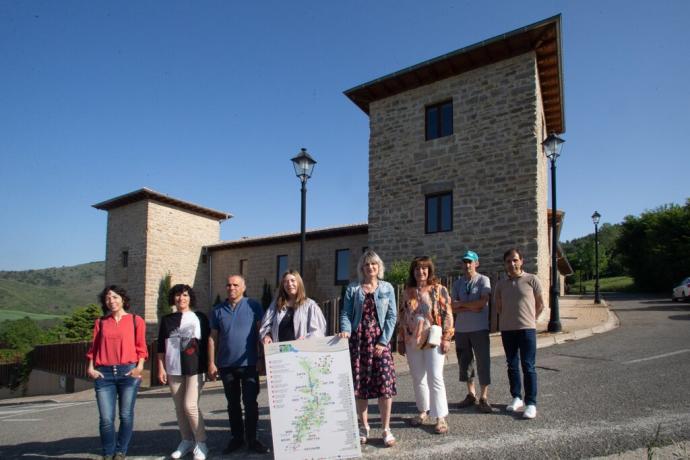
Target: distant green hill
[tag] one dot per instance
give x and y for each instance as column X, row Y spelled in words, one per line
column 51, row 291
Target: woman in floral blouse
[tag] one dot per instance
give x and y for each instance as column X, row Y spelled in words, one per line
column 426, row 304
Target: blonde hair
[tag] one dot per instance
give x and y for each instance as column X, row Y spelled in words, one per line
column 367, row 257
column 282, row 298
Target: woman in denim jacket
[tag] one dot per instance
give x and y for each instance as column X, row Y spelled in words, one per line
column 368, row 319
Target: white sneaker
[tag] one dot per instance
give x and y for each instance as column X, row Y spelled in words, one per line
column 530, row 411
column 200, row 451
column 515, row 405
column 183, row 449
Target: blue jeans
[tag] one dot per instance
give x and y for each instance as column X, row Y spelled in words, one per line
column 113, row 386
column 241, row 383
column 524, row 342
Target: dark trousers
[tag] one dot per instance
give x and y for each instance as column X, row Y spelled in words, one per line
column 241, row 382
column 520, row 347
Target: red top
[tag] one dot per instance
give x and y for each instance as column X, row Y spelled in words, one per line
column 115, row 343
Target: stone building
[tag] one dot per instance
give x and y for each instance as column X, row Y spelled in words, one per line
column 455, row 151
column 151, row 235
column 455, row 162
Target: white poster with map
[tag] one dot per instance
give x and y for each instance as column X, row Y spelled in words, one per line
column 311, row 399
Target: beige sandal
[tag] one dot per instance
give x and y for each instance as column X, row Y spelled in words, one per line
column 419, row 419
column 388, row 438
column 441, row 426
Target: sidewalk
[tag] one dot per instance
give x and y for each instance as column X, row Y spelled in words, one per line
column 580, row 318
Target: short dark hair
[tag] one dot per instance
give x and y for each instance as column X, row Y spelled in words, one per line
column 179, row 289
column 117, row 290
column 510, row 251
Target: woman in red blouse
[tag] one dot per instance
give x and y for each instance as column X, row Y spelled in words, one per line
column 116, row 361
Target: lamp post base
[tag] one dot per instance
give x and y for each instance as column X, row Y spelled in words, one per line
column 555, row 326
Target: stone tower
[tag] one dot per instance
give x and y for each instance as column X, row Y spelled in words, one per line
column 149, row 235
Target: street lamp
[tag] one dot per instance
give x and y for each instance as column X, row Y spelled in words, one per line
column 552, row 147
column 595, row 218
column 304, row 165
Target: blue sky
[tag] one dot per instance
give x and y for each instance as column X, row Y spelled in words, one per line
column 208, row 101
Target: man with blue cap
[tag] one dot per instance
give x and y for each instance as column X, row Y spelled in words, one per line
column 471, row 293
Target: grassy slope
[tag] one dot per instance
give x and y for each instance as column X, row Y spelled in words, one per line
column 613, row 284
column 52, row 291
column 15, row 314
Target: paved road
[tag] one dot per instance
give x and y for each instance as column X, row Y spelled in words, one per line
column 613, row 392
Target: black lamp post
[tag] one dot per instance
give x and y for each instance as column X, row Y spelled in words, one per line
column 595, row 218
column 304, row 165
column 552, row 147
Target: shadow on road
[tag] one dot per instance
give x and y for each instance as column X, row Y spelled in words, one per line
column 680, row 317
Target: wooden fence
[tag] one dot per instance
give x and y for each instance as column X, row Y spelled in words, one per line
column 61, row 358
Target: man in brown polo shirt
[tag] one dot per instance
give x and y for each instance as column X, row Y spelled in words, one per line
column 519, row 302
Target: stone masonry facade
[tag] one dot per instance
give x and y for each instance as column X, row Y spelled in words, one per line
column 159, row 238
column 507, row 95
column 262, row 258
column 493, row 164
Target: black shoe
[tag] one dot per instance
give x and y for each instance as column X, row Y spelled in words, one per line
column 233, row 445
column 470, row 400
column 484, row 406
column 257, row 447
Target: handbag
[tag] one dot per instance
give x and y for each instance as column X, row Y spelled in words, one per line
column 434, row 337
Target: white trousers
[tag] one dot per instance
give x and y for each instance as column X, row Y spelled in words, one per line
column 426, row 369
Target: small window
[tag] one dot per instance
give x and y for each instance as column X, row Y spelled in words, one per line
column 243, row 267
column 125, row 258
column 439, row 212
column 342, row 266
column 281, row 267
column 439, row 120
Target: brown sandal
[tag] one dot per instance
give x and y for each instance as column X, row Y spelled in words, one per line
column 441, row 426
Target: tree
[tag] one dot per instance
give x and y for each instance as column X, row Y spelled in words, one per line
column 266, row 295
column 163, row 292
column 20, row 335
column 656, row 246
column 581, row 254
column 78, row 327
column 397, row 272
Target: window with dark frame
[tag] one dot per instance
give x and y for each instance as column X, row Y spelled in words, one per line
column 243, row 267
column 125, row 258
column 439, row 212
column 342, row 266
column 281, row 267
column 439, row 120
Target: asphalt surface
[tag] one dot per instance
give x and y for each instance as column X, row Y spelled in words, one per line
column 616, row 392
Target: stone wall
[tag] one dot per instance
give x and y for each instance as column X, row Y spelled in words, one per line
column 127, row 232
column 493, row 163
column 543, row 233
column 176, row 238
column 159, row 239
column 319, row 264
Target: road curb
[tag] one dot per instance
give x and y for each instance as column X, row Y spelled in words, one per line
column 612, row 322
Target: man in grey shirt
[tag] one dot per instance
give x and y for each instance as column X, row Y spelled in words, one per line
column 471, row 293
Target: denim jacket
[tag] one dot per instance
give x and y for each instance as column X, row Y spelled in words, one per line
column 386, row 309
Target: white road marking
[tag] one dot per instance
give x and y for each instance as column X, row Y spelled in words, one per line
column 22, row 419
column 14, row 411
column 685, row 350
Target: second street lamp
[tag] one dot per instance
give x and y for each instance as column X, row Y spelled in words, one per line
column 304, row 165
column 595, row 218
column 552, row 147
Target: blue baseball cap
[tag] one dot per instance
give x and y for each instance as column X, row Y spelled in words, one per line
column 471, row 255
